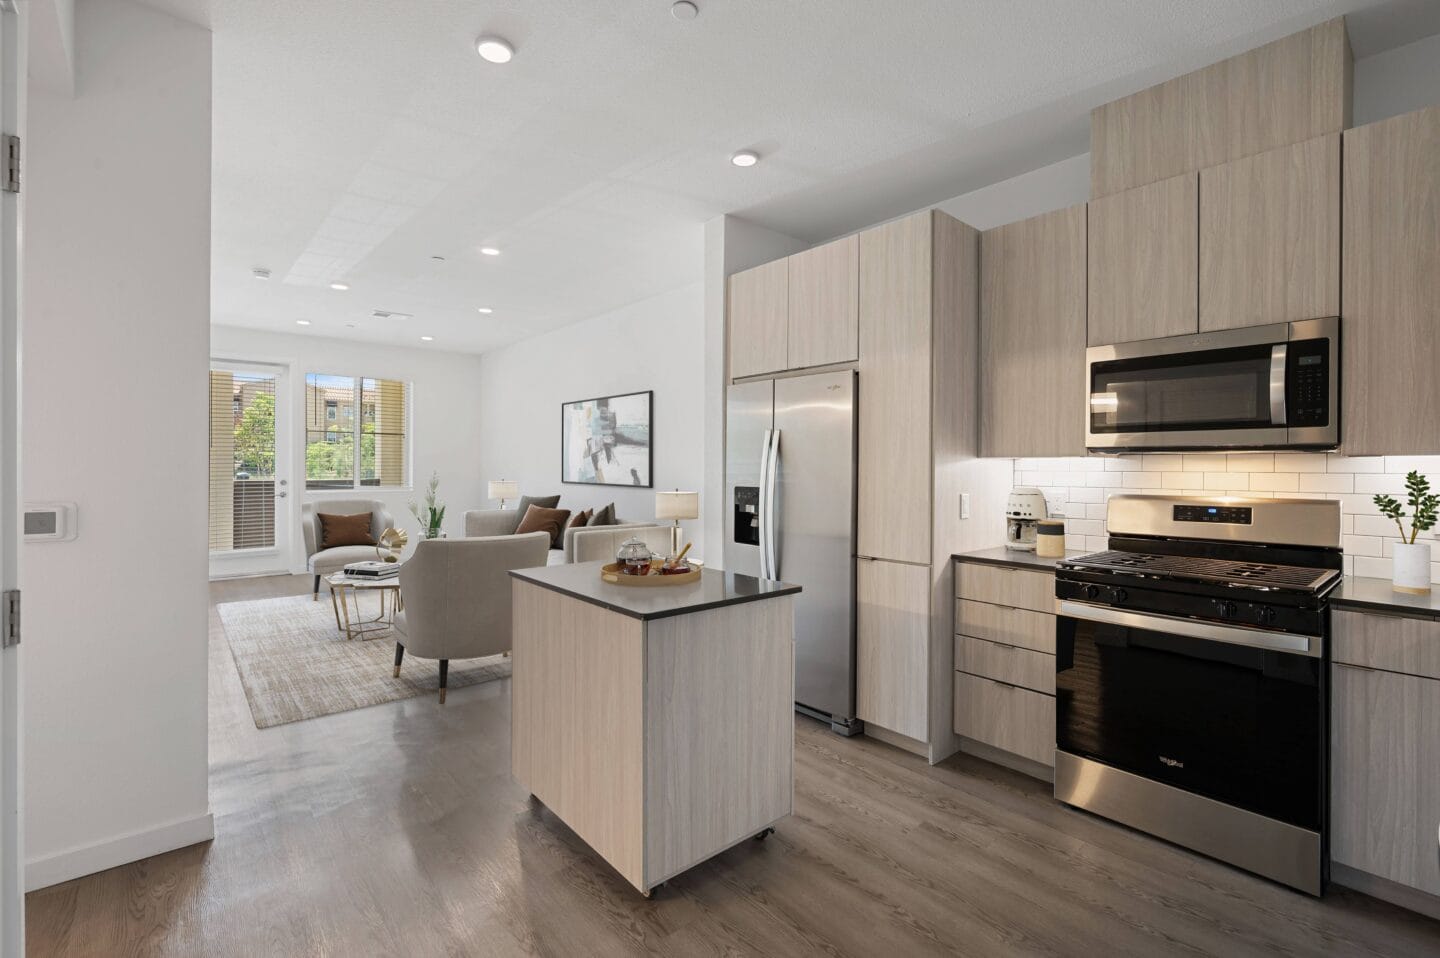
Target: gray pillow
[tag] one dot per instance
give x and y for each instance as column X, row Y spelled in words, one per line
column 544, row 502
column 604, row 517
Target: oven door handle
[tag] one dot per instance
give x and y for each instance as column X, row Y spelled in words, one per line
column 1277, row 384
column 1194, row 628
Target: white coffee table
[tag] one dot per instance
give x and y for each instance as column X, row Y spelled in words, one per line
column 345, row 598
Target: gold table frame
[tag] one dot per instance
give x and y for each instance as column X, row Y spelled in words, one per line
column 344, row 593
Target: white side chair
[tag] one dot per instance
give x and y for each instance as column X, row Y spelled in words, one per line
column 322, row 562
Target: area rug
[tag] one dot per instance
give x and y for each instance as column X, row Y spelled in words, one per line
column 296, row 665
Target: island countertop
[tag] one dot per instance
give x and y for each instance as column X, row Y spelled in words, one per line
column 716, row 589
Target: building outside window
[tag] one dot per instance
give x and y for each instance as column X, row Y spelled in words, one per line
column 333, row 433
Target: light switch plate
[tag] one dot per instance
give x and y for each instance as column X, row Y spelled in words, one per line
column 964, row 505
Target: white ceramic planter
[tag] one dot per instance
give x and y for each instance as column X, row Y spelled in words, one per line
column 1412, row 568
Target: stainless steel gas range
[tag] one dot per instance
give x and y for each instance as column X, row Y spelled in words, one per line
column 1191, row 677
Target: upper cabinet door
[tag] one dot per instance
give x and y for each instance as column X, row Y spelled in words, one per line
column 824, row 304
column 1143, row 251
column 1032, row 336
column 1270, row 237
column 894, row 470
column 758, row 302
column 1390, row 334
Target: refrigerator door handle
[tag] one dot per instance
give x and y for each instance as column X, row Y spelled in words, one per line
column 770, row 530
column 764, row 514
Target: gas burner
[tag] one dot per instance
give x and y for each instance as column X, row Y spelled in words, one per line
column 1229, row 571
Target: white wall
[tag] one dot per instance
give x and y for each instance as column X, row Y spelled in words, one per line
column 656, row 344
column 115, row 300
column 445, row 426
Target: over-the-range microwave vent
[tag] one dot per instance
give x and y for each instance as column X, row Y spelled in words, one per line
column 389, row 314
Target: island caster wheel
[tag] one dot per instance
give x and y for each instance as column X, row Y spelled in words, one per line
column 765, row 834
column 650, row 895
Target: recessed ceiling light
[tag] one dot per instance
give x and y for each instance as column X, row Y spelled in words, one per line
column 494, row 49
column 484, row 309
column 260, row 273
column 489, row 251
column 340, row 286
column 745, row 158
column 427, row 339
column 302, row 322
column 684, row 10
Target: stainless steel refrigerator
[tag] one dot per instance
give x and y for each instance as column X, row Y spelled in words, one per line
column 790, row 514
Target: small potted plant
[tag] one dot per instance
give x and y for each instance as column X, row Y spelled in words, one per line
column 1411, row 571
column 433, row 513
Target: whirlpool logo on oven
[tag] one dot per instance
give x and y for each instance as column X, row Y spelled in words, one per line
column 1172, row 762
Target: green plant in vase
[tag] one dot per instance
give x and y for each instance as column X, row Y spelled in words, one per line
column 433, row 513
column 1411, row 570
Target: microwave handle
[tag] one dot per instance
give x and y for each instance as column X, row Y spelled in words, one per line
column 1277, row 384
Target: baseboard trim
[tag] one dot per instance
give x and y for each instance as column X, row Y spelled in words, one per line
column 1386, row 890
column 897, row 740
column 1016, row 763
column 89, row 859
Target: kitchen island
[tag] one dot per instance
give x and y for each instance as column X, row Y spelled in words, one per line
column 656, row 722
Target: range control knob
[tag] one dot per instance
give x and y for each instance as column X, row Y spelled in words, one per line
column 1092, row 592
column 1119, row 596
column 1265, row 615
column 1225, row 608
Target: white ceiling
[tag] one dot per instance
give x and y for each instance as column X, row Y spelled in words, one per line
column 356, row 139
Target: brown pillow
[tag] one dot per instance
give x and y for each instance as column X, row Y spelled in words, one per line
column 604, row 517
column 540, row 519
column 336, row 531
column 580, row 519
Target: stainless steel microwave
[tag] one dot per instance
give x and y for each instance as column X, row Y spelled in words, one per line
column 1260, row 387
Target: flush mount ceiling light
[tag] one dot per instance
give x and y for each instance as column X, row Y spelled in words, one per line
column 489, row 251
column 260, row 272
column 302, row 322
column 495, row 49
column 427, row 339
column 745, row 158
column 484, row 309
column 684, row 10
column 342, row 287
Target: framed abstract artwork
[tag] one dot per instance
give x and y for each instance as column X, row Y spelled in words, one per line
column 606, row 442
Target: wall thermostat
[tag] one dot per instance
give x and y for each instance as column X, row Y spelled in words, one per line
column 50, row 521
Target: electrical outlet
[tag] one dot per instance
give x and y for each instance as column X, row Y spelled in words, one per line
column 964, row 505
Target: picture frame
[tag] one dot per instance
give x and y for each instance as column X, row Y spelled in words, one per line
column 607, row 441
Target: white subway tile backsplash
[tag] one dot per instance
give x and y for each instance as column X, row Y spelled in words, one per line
column 1144, row 480
column 1163, row 462
column 1394, row 485
column 1362, row 545
column 1227, row 482
column 1105, row 480
column 1428, row 466
column 1371, row 566
column 1251, row 462
column 1123, row 464
column 1182, row 480
column 1205, row 463
column 1087, row 494
column 1338, row 463
column 1323, row 482
column 1275, row 481
column 1300, row 462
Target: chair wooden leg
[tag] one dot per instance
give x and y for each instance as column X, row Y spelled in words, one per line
column 444, row 676
column 399, row 654
column 315, row 595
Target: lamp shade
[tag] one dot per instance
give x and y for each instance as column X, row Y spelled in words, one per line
column 677, row 505
column 504, row 489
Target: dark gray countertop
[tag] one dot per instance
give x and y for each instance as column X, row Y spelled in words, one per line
column 1014, row 558
column 1357, row 592
column 714, row 590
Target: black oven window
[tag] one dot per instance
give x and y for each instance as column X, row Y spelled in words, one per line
column 1217, row 389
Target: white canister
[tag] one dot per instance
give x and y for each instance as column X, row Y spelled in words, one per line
column 1050, row 539
column 1412, row 568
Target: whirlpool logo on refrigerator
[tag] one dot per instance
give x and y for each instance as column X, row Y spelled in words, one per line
column 1172, row 762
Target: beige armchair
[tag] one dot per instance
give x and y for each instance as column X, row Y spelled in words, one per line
column 321, row 562
column 456, row 597
column 589, row 541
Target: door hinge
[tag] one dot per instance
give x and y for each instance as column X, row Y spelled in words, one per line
column 11, row 631
column 12, row 164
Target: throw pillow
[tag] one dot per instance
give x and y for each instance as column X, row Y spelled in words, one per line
column 336, row 531
column 544, row 502
column 604, row 517
column 580, row 519
column 540, row 519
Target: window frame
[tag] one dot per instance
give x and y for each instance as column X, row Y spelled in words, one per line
column 357, row 484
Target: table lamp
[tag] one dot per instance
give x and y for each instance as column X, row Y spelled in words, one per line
column 503, row 489
column 677, row 505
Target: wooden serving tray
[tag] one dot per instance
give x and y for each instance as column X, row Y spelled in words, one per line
column 610, row 572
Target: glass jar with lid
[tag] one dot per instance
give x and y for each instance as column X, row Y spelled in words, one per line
column 633, row 557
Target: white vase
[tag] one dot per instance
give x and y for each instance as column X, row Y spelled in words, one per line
column 1412, row 568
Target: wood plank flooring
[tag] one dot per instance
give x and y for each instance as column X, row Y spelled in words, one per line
column 396, row 830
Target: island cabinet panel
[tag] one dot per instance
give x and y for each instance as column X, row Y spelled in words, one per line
column 892, row 627
column 894, row 447
column 1391, row 287
column 1288, row 91
column 1270, row 237
column 1385, row 775
column 758, row 303
column 1032, row 336
column 824, row 304
column 1143, row 252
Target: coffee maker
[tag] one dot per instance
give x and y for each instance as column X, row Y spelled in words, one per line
column 1024, row 509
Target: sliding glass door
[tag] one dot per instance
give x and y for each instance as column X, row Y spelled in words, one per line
column 250, row 514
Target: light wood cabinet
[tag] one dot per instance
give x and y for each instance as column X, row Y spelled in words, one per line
column 1385, row 775
column 758, row 302
column 894, row 443
column 892, row 635
column 1270, row 237
column 1288, row 91
column 824, row 304
column 1007, row 586
column 1032, row 336
column 1006, row 717
column 1391, row 286
column 1143, row 249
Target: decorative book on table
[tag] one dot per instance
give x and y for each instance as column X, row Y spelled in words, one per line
column 373, row 569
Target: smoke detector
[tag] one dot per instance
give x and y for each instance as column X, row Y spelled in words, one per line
column 684, row 10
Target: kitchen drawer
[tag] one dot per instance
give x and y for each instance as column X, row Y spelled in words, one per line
column 1388, row 642
column 1005, row 663
column 1003, row 585
column 1007, row 717
column 998, row 623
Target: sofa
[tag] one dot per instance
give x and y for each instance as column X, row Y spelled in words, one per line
column 585, row 544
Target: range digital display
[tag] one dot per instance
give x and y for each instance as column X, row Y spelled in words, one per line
column 1231, row 515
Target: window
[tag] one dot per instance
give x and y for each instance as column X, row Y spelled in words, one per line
column 333, row 432
column 242, row 459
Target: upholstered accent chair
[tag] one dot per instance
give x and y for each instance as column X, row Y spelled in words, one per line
column 322, row 562
column 456, row 597
column 590, row 541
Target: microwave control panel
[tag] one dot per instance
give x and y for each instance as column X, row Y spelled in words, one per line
column 1307, row 383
